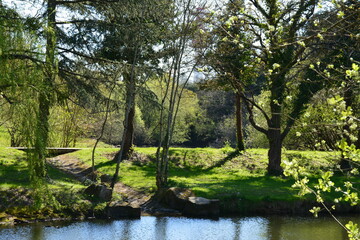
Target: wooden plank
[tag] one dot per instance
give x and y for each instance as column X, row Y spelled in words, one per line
column 52, row 151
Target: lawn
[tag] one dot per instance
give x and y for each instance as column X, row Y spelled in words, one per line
column 212, row 173
column 209, row 172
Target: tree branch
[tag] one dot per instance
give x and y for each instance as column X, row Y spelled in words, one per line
column 13, row 56
column 85, row 1
column 260, row 8
column 251, row 114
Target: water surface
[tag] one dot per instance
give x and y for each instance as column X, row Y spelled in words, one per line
column 169, row 228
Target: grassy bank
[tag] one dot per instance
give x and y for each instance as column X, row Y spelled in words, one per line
column 16, row 195
column 238, row 180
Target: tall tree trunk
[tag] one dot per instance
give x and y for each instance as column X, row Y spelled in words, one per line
column 127, row 140
column 274, row 153
column 37, row 163
column 274, row 132
column 129, row 134
column 239, row 134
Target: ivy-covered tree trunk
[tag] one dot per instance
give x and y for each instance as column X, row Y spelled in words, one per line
column 37, row 162
column 274, row 153
column 130, row 109
column 239, row 126
column 274, row 134
column 274, row 129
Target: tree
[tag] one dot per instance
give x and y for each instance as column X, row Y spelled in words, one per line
column 135, row 29
column 62, row 74
column 336, row 66
column 22, row 56
column 18, row 72
column 278, row 45
column 131, row 39
column 175, row 81
column 336, row 53
column 45, row 98
column 229, row 60
column 214, row 122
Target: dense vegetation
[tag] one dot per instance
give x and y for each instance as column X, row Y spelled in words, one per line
column 245, row 74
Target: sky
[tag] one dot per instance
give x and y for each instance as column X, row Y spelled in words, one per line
column 25, row 7
column 32, row 8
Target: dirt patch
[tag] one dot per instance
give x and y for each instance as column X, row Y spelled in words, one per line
column 136, row 158
column 83, row 173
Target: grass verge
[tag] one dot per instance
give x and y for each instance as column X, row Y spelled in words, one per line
column 239, row 180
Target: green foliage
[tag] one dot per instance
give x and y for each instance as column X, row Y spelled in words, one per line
column 186, row 115
column 4, row 137
column 19, row 77
column 227, row 148
column 340, row 191
column 215, row 121
column 318, row 127
column 353, row 230
column 66, row 125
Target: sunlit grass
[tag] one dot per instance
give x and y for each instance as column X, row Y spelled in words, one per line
column 242, row 175
column 89, row 143
column 211, row 173
column 14, row 172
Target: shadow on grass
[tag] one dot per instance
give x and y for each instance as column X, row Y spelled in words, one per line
column 149, row 169
column 98, row 166
column 229, row 157
column 11, row 174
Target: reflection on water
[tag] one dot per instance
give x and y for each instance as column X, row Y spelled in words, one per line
column 167, row 228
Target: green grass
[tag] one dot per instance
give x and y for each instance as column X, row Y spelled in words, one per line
column 13, row 168
column 14, row 172
column 210, row 172
column 16, row 195
column 89, row 143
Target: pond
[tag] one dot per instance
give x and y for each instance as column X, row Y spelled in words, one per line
column 171, row 228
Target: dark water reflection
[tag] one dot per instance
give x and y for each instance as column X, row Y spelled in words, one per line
column 148, row 228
